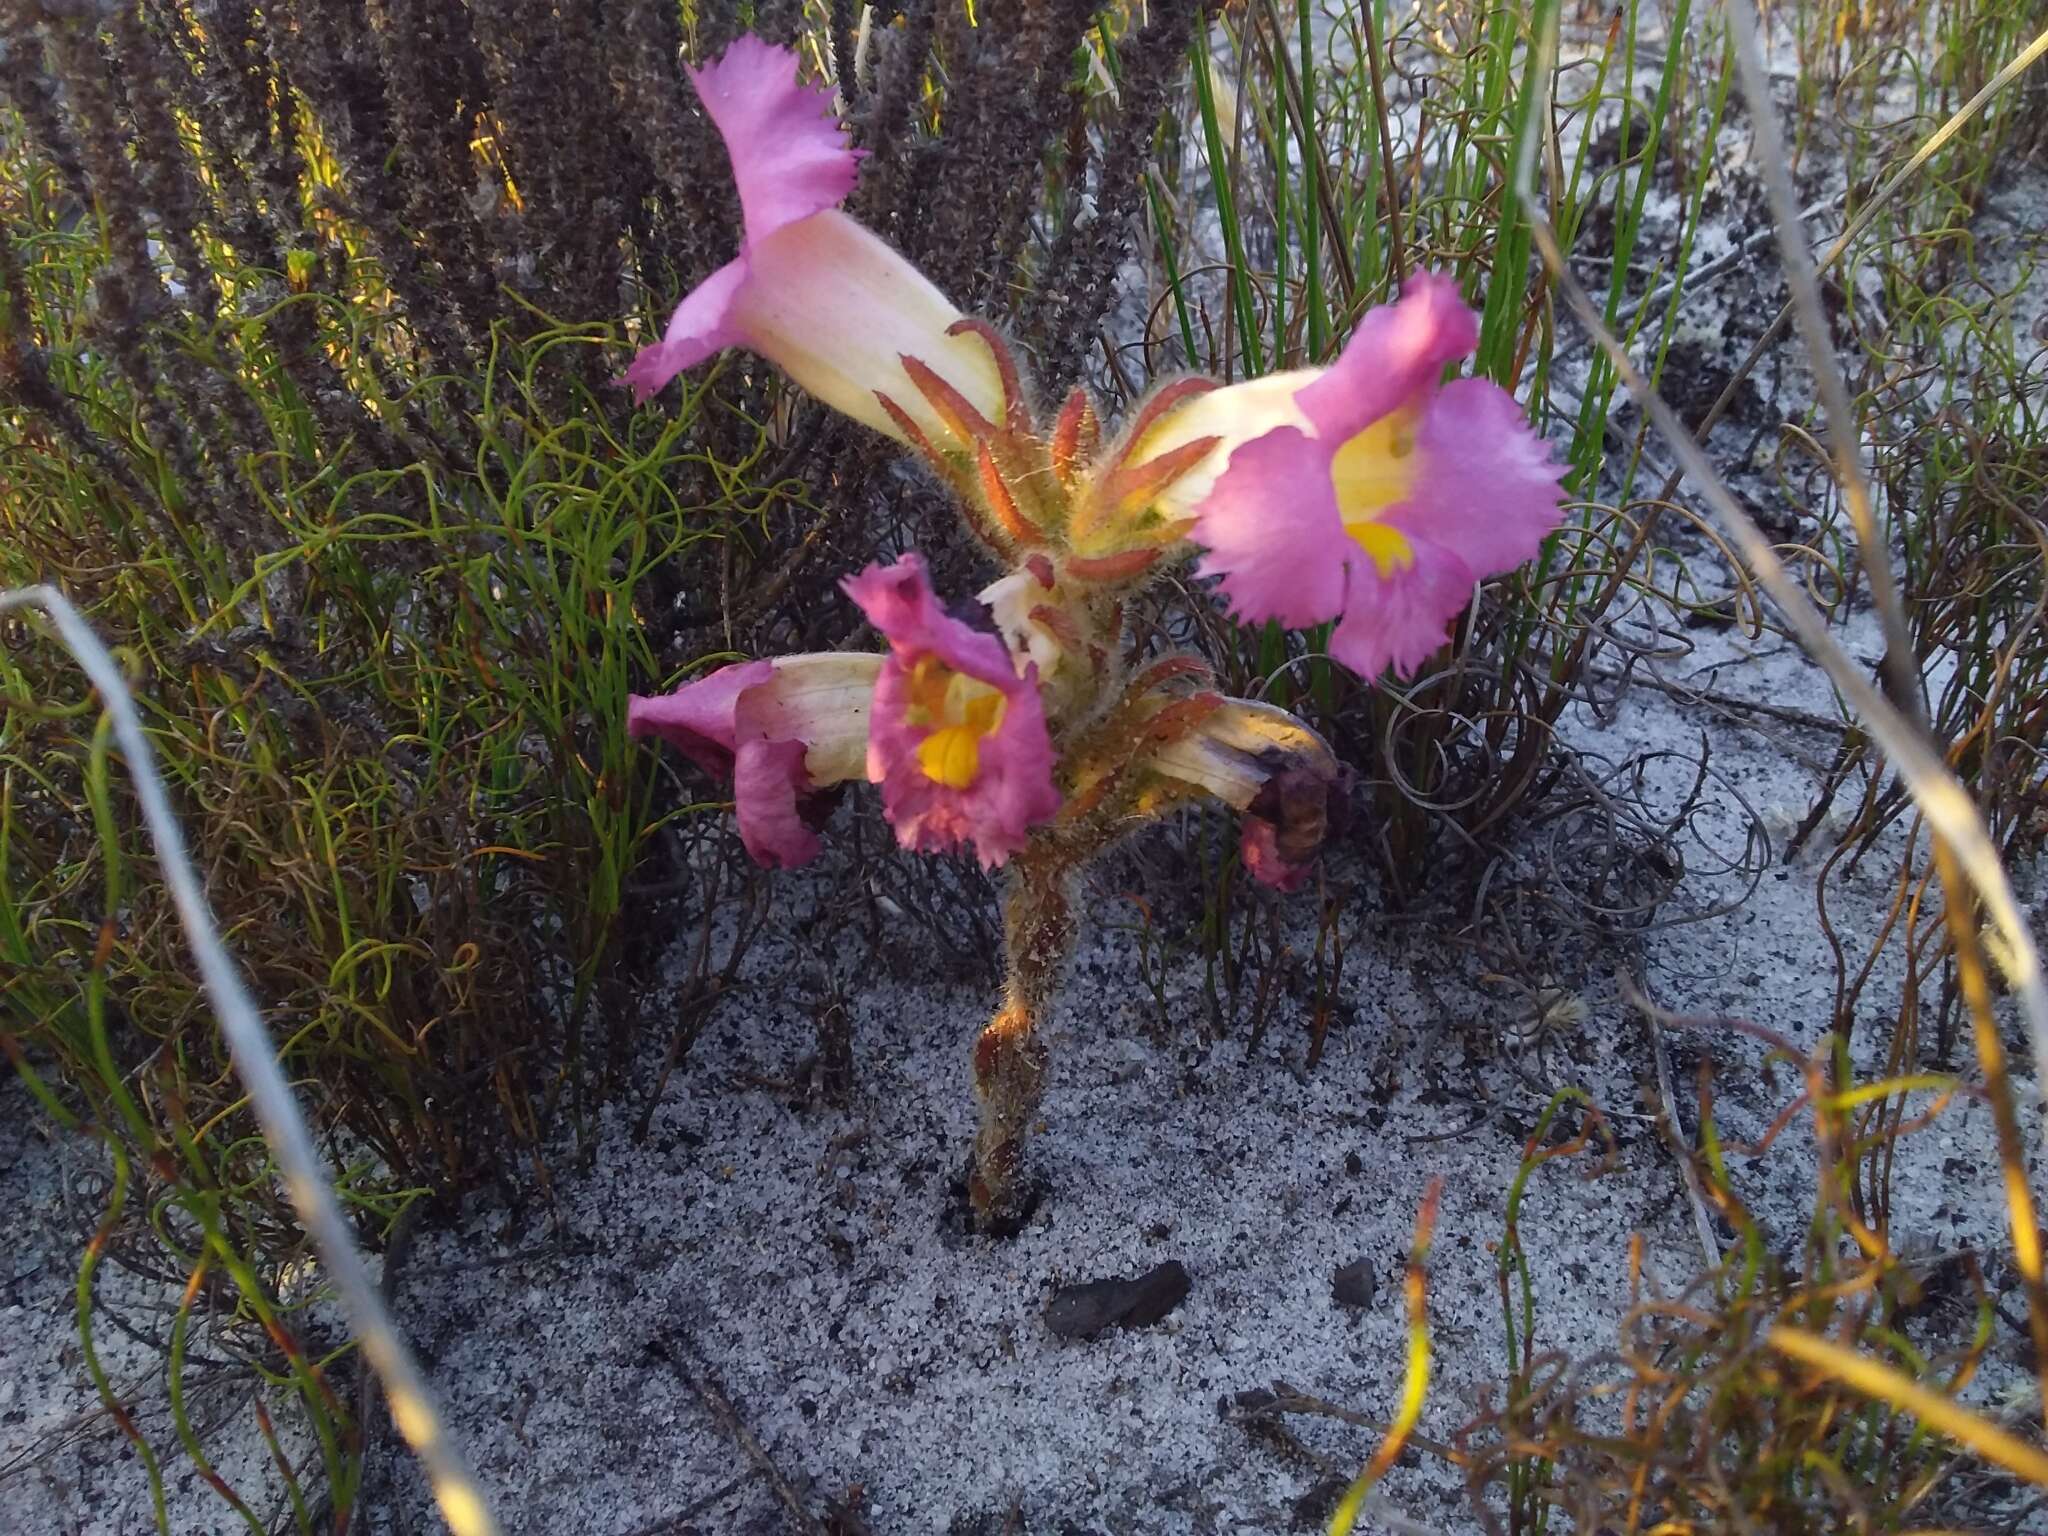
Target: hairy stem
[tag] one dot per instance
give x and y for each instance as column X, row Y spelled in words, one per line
column 1010, row 1055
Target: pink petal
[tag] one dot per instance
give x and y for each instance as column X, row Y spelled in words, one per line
column 1403, row 619
column 818, row 295
column 1016, row 790
column 1488, row 488
column 703, row 325
column 1013, row 790
column 837, row 309
column 821, row 700
column 767, row 778
column 1484, row 497
column 898, row 600
column 1398, row 351
column 789, row 154
column 1272, row 532
column 697, row 719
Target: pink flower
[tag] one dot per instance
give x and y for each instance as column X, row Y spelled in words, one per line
column 1368, row 491
column 781, row 730
column 958, row 739
column 812, row 290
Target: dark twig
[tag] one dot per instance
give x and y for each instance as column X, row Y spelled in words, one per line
column 689, row 1363
column 674, row 1522
column 1653, row 1026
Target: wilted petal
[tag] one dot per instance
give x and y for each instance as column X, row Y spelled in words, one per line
column 1273, row 768
column 1284, row 828
column 958, row 739
column 1238, row 747
column 789, row 154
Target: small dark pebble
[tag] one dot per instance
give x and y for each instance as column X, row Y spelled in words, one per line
column 1355, row 1284
column 1082, row 1311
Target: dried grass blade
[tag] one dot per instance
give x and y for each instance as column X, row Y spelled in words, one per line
column 1902, row 676
column 1416, row 1386
column 1876, row 1380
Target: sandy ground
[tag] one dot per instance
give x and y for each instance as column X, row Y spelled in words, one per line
column 766, row 1265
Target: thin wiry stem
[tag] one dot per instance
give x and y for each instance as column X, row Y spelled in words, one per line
column 307, row 1178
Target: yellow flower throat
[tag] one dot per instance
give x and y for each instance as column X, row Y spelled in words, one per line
column 1374, row 471
column 960, row 712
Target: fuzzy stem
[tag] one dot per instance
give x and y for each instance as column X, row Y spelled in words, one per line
column 1010, row 1055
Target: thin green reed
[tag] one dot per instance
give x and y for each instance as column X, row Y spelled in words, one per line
column 82, row 1307
column 111, row 1080
column 1508, row 287
column 1373, row 154
column 1312, row 187
column 1528, row 1477
column 1571, row 205
column 1576, row 548
column 181, row 1417
column 567, row 535
column 1307, row 114
column 1588, row 437
column 1586, row 450
column 1701, row 168
column 1170, row 259
column 1244, row 305
column 200, row 1197
column 1271, row 107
